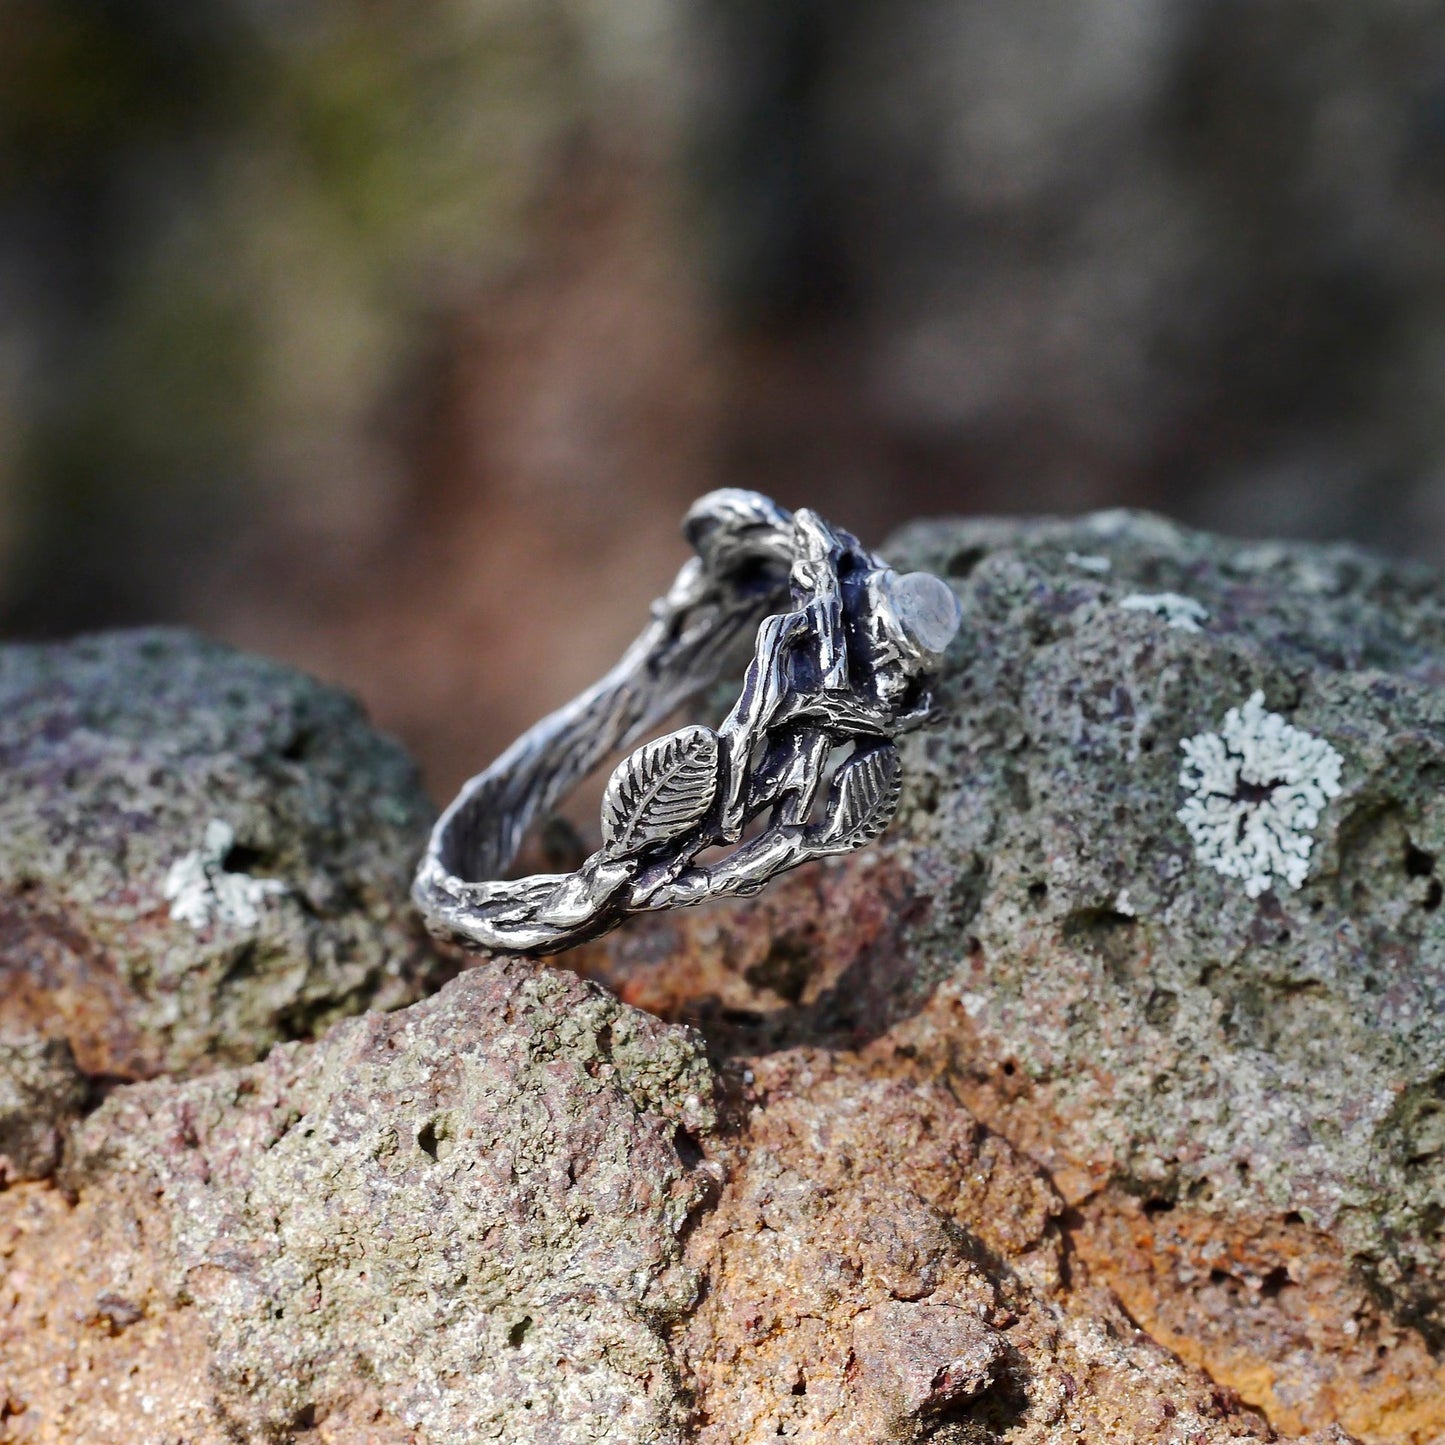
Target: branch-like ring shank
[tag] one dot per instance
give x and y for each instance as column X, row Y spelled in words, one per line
column 824, row 674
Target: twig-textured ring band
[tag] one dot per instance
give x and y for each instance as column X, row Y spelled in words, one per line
column 845, row 656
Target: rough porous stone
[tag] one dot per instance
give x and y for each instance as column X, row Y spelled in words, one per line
column 1237, row 1098
column 1285, row 1052
column 1025, row 1125
column 201, row 853
column 879, row 1268
column 509, row 1213
column 462, row 1219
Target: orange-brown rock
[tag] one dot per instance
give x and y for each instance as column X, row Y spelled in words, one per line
column 1270, row 1308
column 460, row 1221
column 879, row 1267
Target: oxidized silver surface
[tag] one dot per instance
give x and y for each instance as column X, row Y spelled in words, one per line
column 845, row 656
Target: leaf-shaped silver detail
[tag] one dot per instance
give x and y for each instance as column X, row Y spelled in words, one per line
column 862, row 801
column 660, row 791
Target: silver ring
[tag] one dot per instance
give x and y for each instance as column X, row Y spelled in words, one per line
column 845, row 656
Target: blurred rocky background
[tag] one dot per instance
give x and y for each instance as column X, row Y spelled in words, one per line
column 392, row 339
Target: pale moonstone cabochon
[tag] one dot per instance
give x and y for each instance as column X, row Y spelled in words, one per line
column 925, row 607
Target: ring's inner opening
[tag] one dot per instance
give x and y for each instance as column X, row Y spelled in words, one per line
column 565, row 760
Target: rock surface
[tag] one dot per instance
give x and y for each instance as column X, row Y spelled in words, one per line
column 1026, row 1124
column 881, row 1268
column 489, row 1217
column 462, row 1219
column 201, row 853
column 1236, row 1098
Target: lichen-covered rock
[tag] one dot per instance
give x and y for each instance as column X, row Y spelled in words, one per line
column 1284, row 1051
column 467, row 1215
column 1236, row 1089
column 201, row 853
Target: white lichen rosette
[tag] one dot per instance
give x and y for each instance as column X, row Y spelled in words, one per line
column 1256, row 790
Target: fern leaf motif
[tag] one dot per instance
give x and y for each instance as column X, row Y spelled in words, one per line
column 862, row 801
column 660, row 791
